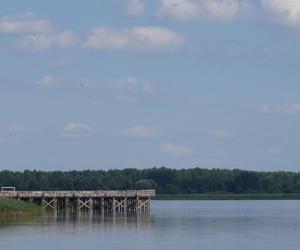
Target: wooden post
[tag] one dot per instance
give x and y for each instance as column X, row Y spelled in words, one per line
column 114, row 204
column 102, row 205
column 91, row 207
column 125, row 205
column 137, row 204
column 67, row 204
column 55, row 204
column 77, row 203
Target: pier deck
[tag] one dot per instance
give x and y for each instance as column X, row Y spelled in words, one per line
column 98, row 200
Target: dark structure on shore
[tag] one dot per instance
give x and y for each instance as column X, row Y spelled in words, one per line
column 94, row 201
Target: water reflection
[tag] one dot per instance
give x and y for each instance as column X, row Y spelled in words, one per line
column 91, row 222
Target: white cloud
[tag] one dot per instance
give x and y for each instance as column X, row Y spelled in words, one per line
column 175, row 150
column 222, row 10
column 136, row 8
column 148, row 87
column 286, row 12
column 16, row 130
column 222, row 134
column 128, row 89
column 40, row 36
column 139, row 131
column 76, row 129
column 292, row 108
column 264, row 108
column 45, row 41
column 276, row 151
column 131, row 85
column 12, row 133
column 37, row 34
column 104, row 39
column 135, row 163
column 77, row 126
column 285, row 108
column 24, row 23
column 46, row 81
column 126, row 99
column 135, row 39
column 131, row 89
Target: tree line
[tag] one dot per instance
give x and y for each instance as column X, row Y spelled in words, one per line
column 163, row 180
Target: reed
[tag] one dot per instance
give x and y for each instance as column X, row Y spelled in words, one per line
column 11, row 208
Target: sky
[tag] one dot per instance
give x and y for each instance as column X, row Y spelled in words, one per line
column 139, row 83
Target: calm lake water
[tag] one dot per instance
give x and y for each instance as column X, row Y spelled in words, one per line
column 170, row 225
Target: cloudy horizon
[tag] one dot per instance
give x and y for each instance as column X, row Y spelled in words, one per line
column 140, row 83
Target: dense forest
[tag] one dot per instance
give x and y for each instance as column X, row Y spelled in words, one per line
column 164, row 180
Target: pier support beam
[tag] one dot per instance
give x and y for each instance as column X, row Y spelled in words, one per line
column 143, row 205
column 48, row 203
column 83, row 203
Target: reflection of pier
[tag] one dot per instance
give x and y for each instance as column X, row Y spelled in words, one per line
column 90, row 222
column 106, row 201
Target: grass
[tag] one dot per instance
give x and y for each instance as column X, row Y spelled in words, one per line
column 15, row 208
column 228, row 197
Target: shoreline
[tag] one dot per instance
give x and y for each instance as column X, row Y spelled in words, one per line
column 227, row 197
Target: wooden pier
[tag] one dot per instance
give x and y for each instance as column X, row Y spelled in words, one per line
column 93, row 201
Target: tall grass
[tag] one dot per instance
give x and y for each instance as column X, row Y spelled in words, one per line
column 10, row 207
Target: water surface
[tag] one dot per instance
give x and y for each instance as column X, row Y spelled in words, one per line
column 170, row 225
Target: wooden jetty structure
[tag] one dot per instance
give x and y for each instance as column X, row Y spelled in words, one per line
column 120, row 201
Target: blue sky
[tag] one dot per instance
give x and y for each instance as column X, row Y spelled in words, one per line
column 132, row 83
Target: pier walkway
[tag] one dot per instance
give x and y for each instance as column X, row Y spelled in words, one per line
column 98, row 200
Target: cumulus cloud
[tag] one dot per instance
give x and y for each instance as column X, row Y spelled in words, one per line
column 77, row 126
column 75, row 129
column 292, row 108
column 136, row 39
column 36, row 33
column 45, row 41
column 264, row 108
column 128, row 89
column 131, row 89
column 16, row 130
column 126, row 99
column 139, row 131
column 175, row 150
column 136, row 163
column 221, row 10
column 286, row 12
column 276, row 151
column 39, row 35
column 131, row 84
column 24, row 23
column 12, row 133
column 136, row 8
column 285, row 108
column 46, row 81
column 222, row 134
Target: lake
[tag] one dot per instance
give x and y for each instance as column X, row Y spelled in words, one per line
column 170, row 225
